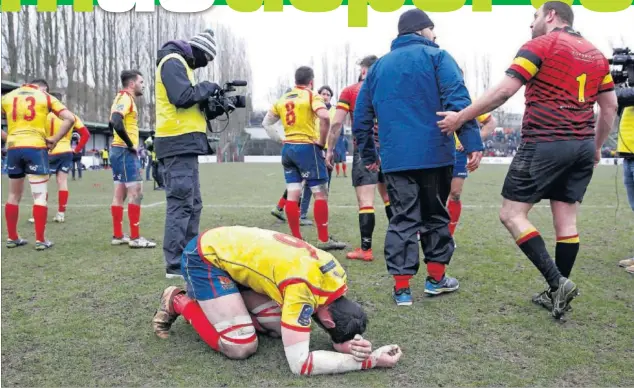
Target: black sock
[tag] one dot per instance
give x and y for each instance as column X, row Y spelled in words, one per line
column 566, row 253
column 388, row 211
column 534, row 247
column 366, row 226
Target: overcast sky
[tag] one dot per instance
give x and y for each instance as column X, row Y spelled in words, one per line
column 278, row 42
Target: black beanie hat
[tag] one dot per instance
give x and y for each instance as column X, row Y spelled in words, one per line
column 412, row 21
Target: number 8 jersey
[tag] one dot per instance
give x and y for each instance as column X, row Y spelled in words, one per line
column 27, row 109
column 298, row 109
column 296, row 275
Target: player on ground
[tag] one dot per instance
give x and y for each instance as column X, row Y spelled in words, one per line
column 241, row 279
column 565, row 75
column 60, row 159
column 302, row 153
column 126, row 168
column 364, row 181
column 454, row 205
column 26, row 109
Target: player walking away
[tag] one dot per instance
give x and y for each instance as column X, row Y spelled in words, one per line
column 487, row 124
column 60, row 159
column 364, row 181
column 559, row 146
column 404, row 89
column 302, row 153
column 26, row 109
column 241, row 280
column 126, row 169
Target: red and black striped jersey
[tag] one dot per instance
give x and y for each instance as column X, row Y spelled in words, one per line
column 564, row 74
column 347, row 101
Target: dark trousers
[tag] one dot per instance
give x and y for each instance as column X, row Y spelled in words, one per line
column 148, row 169
column 76, row 166
column 418, row 199
column 184, row 205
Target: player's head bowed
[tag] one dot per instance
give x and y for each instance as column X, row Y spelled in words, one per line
column 552, row 14
column 344, row 319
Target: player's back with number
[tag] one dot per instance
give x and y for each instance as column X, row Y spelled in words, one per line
column 267, row 261
column 26, row 110
column 565, row 74
column 297, row 111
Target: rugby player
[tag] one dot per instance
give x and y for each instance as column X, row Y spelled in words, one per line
column 363, row 180
column 126, row 169
column 60, row 159
column 302, row 153
column 565, row 75
column 241, row 280
column 26, row 109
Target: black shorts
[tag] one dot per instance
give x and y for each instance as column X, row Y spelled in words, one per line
column 361, row 176
column 558, row 170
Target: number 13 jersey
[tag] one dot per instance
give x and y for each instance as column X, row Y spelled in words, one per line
column 298, row 111
column 296, row 275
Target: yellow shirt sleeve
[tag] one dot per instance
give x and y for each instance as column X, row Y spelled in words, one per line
column 298, row 308
column 275, row 110
column 318, row 103
column 78, row 123
column 56, row 106
column 122, row 104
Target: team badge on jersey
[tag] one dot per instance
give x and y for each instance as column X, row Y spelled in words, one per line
column 119, row 107
column 327, row 267
column 305, row 314
column 226, row 283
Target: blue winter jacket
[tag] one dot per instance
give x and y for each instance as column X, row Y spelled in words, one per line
column 404, row 89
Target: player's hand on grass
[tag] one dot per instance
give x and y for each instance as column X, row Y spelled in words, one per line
column 387, row 356
column 359, row 348
column 473, row 161
column 451, row 122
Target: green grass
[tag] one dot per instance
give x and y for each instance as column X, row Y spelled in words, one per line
column 80, row 314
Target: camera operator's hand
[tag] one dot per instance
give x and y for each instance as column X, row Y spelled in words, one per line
column 211, row 89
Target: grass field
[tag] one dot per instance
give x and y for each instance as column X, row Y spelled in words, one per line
column 80, row 314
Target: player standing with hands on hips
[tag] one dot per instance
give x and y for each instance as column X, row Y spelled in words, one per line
column 560, row 144
column 404, row 89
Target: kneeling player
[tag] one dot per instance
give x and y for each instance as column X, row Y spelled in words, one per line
column 26, row 109
column 241, row 279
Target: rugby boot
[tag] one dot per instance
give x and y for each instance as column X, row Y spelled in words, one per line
column 165, row 316
column 545, row 300
column 562, row 296
column 16, row 243
column 59, row 217
column 626, row 263
column 332, row 244
column 402, row 296
column 630, row 269
column 445, row 285
column 279, row 214
column 43, row 245
column 141, row 242
column 123, row 240
column 360, row 254
column 305, row 222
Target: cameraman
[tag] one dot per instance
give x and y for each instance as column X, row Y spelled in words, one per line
column 625, row 149
column 180, row 137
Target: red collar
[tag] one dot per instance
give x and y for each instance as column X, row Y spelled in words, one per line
column 126, row 92
column 31, row 86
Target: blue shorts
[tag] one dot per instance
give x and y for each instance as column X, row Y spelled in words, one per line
column 460, row 165
column 60, row 163
column 125, row 165
column 27, row 161
column 204, row 281
column 340, row 157
column 304, row 162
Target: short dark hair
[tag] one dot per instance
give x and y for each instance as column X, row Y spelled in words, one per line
column 368, row 61
column 129, row 75
column 304, row 75
column 40, row 82
column 57, row 95
column 349, row 319
column 563, row 10
column 325, row 87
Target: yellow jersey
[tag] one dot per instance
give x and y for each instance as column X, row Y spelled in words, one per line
column 124, row 104
column 54, row 124
column 331, row 111
column 482, row 119
column 625, row 143
column 296, row 275
column 26, row 109
column 298, row 111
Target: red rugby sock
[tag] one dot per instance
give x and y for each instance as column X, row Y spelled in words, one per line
column 11, row 213
column 63, row 200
